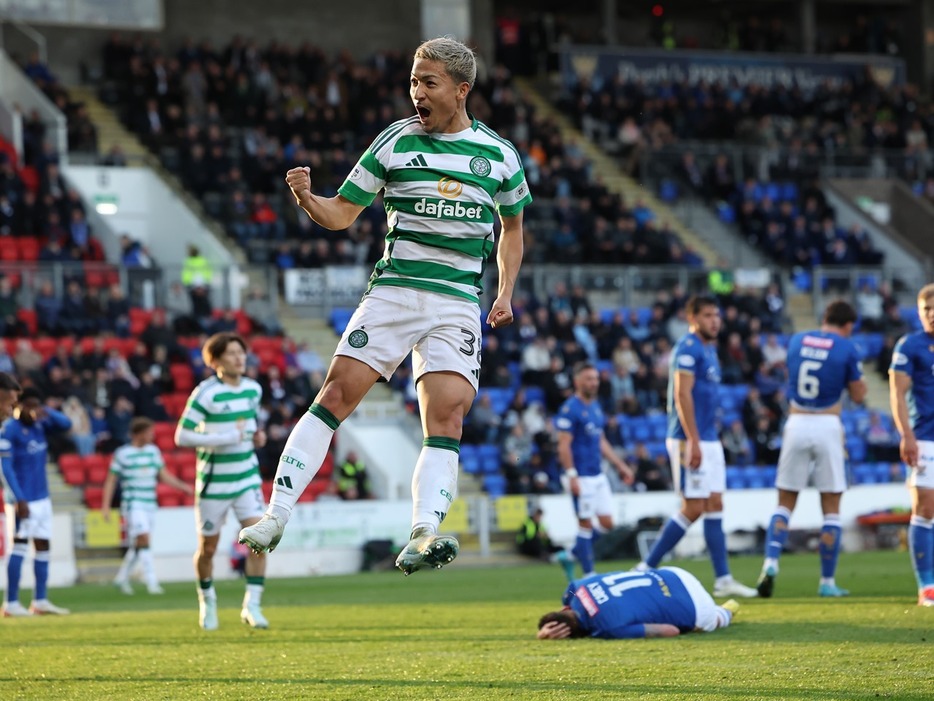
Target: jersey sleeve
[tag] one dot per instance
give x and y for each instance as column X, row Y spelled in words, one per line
column 565, row 419
column 854, row 366
column 368, row 177
column 195, row 412
column 901, row 358
column 513, row 195
column 6, row 459
column 688, row 358
column 633, row 630
column 116, row 464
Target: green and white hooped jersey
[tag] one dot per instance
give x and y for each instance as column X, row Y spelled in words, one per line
column 228, row 471
column 138, row 471
column 442, row 192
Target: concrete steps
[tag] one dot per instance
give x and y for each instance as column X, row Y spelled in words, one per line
column 110, row 131
column 615, row 179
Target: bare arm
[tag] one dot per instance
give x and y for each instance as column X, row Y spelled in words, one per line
column 857, row 390
column 168, row 478
column 334, row 213
column 566, row 460
column 684, row 405
column 508, row 260
column 110, row 486
column 899, row 384
column 661, row 630
column 606, row 450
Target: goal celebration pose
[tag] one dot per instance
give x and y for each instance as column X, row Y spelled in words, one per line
column 445, row 177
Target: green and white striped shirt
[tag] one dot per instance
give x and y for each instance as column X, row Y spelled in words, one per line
column 138, row 471
column 442, row 192
column 225, row 472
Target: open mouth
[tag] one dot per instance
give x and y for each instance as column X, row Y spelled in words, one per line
column 423, row 113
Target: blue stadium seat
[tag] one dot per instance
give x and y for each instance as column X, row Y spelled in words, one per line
column 340, row 317
column 789, row 192
column 882, row 472
column 773, row 192
column 856, row 448
column 534, row 394
column 668, row 190
column 735, row 478
column 756, row 477
column 470, row 459
column 641, row 430
column 489, row 458
column 802, row 280
column 771, row 471
column 726, row 213
column 656, row 448
column 494, row 485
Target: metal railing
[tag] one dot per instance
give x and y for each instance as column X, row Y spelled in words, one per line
column 144, row 287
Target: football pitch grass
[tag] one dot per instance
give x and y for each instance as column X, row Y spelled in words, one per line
column 468, row 633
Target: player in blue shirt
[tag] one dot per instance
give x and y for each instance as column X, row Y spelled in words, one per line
column 822, row 365
column 911, row 381
column 658, row 603
column 24, row 455
column 693, row 443
column 581, row 447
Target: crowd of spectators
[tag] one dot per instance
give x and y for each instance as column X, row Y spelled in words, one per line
column 532, row 361
column 804, row 125
column 231, row 121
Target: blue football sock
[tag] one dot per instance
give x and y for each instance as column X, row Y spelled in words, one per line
column 40, row 567
column 716, row 543
column 583, row 550
column 921, row 545
column 14, row 569
column 673, row 531
column 777, row 534
column 829, row 547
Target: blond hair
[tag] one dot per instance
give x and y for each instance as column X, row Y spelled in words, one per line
column 926, row 293
column 458, row 59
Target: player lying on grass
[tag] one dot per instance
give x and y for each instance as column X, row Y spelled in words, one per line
column 658, row 603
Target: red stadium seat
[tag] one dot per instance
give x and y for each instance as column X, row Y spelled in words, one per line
column 29, row 248
column 187, row 466
column 182, row 376
column 164, row 428
column 96, row 467
column 175, row 404
column 168, row 496
column 8, row 250
column 72, row 469
column 93, row 497
column 327, row 467
column 28, row 317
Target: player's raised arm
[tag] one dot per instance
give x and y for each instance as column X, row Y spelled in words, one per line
column 334, row 213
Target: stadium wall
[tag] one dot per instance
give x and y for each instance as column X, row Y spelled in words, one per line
column 327, row 537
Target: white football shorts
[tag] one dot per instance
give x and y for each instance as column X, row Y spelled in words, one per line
column 922, row 475
column 138, row 521
column 595, row 498
column 39, row 524
column 812, row 450
column 441, row 331
column 706, row 608
column 211, row 513
column 709, row 478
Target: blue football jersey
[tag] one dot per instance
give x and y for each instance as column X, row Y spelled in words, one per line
column 618, row 605
column 821, row 365
column 692, row 355
column 585, row 423
column 914, row 356
column 24, row 453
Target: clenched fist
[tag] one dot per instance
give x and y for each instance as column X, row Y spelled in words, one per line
column 299, row 180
